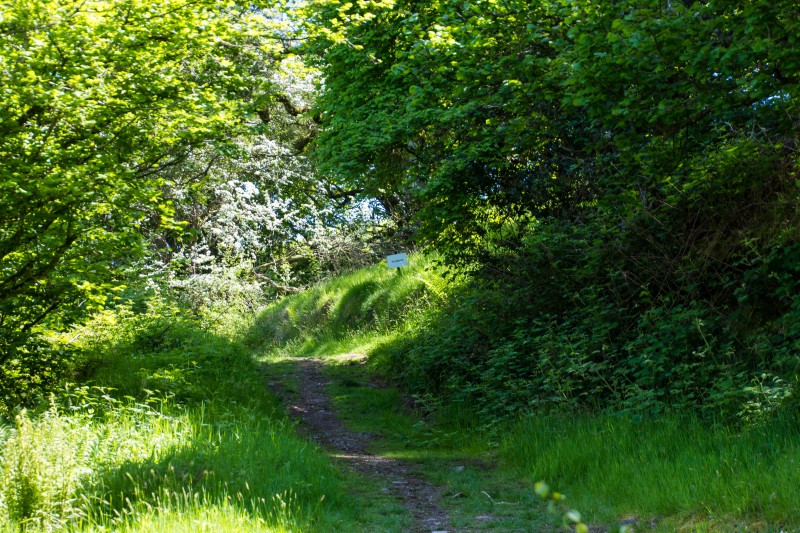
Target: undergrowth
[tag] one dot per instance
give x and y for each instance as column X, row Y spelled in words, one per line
column 357, row 311
column 559, row 329
column 664, row 470
column 173, row 430
column 173, row 427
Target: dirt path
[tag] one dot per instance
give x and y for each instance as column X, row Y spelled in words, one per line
column 312, row 406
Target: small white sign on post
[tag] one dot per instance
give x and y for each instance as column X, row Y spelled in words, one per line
column 397, row 260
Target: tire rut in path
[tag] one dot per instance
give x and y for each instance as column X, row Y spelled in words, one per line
column 312, row 406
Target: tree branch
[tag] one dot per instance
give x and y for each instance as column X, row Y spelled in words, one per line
column 282, row 288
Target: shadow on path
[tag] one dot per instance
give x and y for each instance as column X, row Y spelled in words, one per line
column 311, row 405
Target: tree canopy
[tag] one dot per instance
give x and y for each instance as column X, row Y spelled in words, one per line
column 99, row 98
column 609, row 170
column 623, row 175
column 531, row 105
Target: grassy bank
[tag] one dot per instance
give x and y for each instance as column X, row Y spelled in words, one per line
column 369, row 310
column 670, row 471
column 679, row 470
column 174, row 431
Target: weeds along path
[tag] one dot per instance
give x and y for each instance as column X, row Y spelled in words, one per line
column 313, row 407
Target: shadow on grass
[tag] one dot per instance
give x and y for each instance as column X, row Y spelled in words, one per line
column 220, row 439
column 315, row 314
column 260, row 472
column 356, row 305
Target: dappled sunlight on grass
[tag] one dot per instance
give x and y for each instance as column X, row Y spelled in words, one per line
column 177, row 431
column 146, row 466
column 182, row 434
column 673, row 465
column 353, row 313
column 612, row 468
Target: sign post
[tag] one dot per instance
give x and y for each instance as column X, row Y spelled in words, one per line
column 397, row 261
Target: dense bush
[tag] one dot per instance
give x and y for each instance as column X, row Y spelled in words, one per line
column 619, row 178
column 568, row 320
column 30, row 371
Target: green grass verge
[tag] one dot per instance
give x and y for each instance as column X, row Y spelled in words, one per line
column 176, row 431
column 359, row 311
column 180, row 433
column 677, row 470
column 447, row 447
column 670, row 473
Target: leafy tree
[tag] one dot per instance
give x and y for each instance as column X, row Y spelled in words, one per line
column 541, row 107
column 98, row 98
column 261, row 201
column 454, row 101
column 614, row 171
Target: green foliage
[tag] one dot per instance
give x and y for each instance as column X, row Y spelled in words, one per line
column 620, row 179
column 174, row 426
column 31, row 372
column 335, row 316
column 97, row 98
column 629, row 470
column 442, row 107
column 78, row 468
column 504, row 349
column 583, row 335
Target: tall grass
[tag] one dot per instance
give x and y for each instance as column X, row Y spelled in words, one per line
column 136, row 463
column 677, row 469
column 614, row 467
column 359, row 311
column 177, row 433
column 176, row 430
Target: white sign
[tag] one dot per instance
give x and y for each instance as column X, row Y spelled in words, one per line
column 397, row 260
